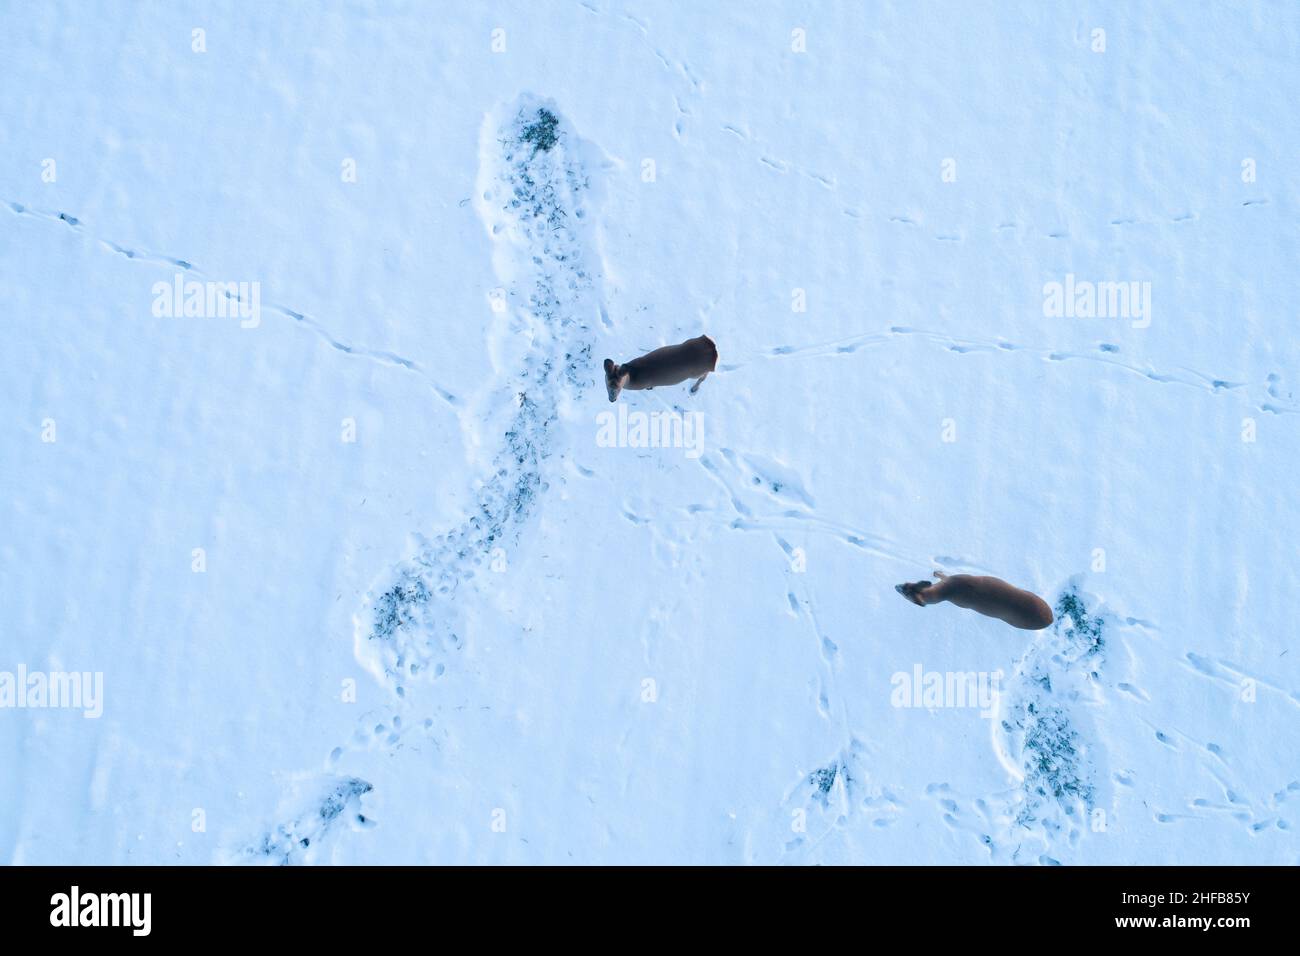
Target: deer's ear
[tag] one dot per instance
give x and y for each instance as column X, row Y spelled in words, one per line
column 609, row 366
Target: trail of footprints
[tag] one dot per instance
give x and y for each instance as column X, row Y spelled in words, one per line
column 1258, row 812
column 332, row 805
column 745, row 478
column 1277, row 403
column 1232, row 676
column 193, row 272
column 764, row 156
column 679, row 68
column 840, row 792
column 905, row 220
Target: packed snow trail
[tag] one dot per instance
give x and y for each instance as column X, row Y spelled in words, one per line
column 532, row 195
column 1043, row 736
column 535, row 197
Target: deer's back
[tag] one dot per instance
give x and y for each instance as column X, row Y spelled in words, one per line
column 673, row 363
column 994, row 597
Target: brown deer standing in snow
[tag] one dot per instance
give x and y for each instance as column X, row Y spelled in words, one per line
column 694, row 358
column 991, row 597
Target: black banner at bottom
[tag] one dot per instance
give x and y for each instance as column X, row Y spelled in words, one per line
column 336, row 905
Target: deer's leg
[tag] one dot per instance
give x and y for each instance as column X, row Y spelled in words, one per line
column 698, row 382
column 960, row 589
column 940, row 591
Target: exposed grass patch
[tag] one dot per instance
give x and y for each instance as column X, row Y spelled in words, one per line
column 541, row 132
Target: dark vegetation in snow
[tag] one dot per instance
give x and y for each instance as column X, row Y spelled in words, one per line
column 288, row 842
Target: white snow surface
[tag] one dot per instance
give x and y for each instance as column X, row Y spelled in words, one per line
column 435, row 620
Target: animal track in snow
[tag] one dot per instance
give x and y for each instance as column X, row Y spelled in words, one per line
column 1233, row 676
column 678, row 68
column 854, row 343
column 1277, row 405
column 827, row 799
column 962, row 346
column 337, row 803
column 1257, row 813
column 380, row 356
column 764, row 156
column 765, row 474
column 986, row 821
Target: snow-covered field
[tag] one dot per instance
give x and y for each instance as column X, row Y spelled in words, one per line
column 351, row 571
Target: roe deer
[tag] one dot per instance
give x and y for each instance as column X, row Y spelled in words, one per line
column 991, row 597
column 694, row 358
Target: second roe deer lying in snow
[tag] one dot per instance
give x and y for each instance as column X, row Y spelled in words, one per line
column 695, row 358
